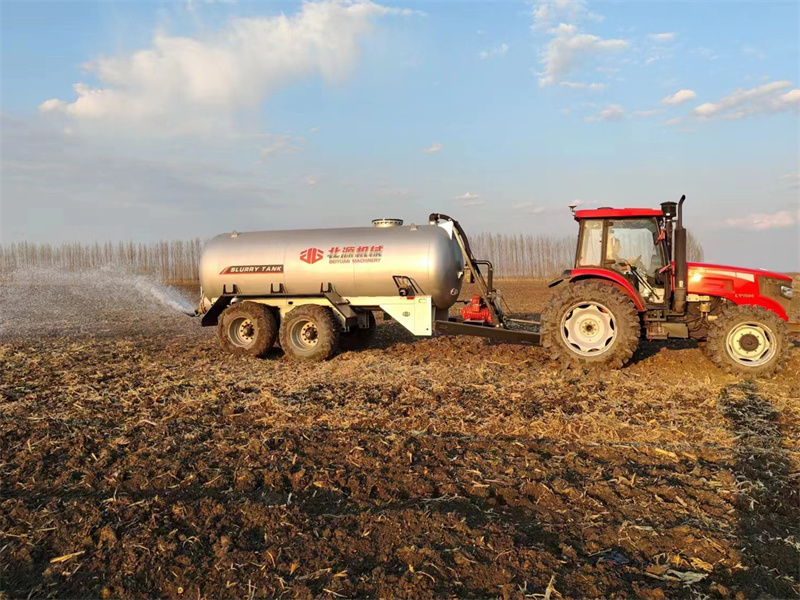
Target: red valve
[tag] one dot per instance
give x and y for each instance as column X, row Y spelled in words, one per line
column 477, row 310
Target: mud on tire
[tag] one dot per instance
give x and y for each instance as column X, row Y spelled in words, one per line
column 247, row 329
column 571, row 319
column 747, row 340
column 310, row 333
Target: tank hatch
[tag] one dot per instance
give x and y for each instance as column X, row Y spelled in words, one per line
column 387, row 222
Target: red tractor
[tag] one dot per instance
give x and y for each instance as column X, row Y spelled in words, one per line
column 631, row 279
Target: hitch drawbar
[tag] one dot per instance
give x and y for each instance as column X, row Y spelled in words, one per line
column 501, row 334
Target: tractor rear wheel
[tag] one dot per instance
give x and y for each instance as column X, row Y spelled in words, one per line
column 591, row 324
column 310, row 333
column 747, row 340
column 247, row 329
column 358, row 338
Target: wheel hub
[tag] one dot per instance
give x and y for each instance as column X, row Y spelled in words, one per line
column 304, row 335
column 246, row 330
column 242, row 332
column 748, row 342
column 751, row 344
column 588, row 329
column 309, row 333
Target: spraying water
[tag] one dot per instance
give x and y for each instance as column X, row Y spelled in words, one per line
column 39, row 302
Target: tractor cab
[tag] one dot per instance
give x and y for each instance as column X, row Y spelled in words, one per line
column 632, row 243
column 631, row 278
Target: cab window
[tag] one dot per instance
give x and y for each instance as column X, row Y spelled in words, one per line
column 635, row 241
column 591, row 250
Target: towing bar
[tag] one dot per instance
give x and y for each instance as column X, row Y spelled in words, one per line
column 487, row 331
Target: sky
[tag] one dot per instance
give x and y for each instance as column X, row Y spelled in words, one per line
column 173, row 120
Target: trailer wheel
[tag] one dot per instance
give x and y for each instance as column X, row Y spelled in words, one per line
column 590, row 324
column 747, row 340
column 247, row 329
column 310, row 333
column 357, row 338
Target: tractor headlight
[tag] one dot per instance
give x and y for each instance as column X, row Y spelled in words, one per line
column 786, row 291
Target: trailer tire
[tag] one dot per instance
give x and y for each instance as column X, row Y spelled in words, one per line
column 747, row 340
column 591, row 324
column 358, row 338
column 310, row 333
column 247, row 329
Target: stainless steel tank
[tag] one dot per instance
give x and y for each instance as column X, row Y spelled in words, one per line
column 357, row 261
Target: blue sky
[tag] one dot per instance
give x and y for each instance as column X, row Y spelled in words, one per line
column 193, row 118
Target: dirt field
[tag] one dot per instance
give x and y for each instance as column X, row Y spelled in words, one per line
column 138, row 461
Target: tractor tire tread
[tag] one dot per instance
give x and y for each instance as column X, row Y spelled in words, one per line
column 715, row 346
column 628, row 334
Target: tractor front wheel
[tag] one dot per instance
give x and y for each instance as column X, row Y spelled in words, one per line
column 747, row 340
column 591, row 324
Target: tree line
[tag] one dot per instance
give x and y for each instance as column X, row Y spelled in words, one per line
column 525, row 256
column 174, row 261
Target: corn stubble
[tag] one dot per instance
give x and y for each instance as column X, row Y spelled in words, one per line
column 151, row 465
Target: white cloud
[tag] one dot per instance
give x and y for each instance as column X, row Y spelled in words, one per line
column 548, row 12
column 662, row 37
column 753, row 51
column 612, row 112
column 568, row 50
column 592, row 87
column 280, row 143
column 647, row 113
column 762, row 221
column 706, row 53
column 433, row 148
column 792, row 179
column 311, row 180
column 679, row 97
column 761, row 100
column 467, row 196
column 498, row 51
column 184, row 85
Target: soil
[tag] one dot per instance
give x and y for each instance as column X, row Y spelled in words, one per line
column 137, row 460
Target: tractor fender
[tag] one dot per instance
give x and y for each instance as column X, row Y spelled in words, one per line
column 565, row 275
column 612, row 278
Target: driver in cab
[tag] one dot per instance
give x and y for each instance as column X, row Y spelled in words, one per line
column 615, row 253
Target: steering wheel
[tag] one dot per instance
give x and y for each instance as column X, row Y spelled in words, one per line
column 633, row 269
column 634, row 264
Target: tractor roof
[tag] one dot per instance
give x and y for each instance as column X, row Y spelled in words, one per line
column 607, row 213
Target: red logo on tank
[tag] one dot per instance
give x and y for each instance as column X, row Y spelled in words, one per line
column 311, row 255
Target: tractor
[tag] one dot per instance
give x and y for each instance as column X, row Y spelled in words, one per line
column 631, row 280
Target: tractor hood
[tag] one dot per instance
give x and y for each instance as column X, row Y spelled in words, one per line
column 700, row 270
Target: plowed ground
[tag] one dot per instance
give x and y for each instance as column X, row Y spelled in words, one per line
column 136, row 460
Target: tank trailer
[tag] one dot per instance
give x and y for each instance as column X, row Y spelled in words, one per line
column 316, row 291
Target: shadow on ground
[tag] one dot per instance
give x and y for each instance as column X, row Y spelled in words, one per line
column 769, row 503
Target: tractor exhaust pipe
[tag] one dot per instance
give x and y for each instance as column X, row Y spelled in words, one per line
column 680, row 261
